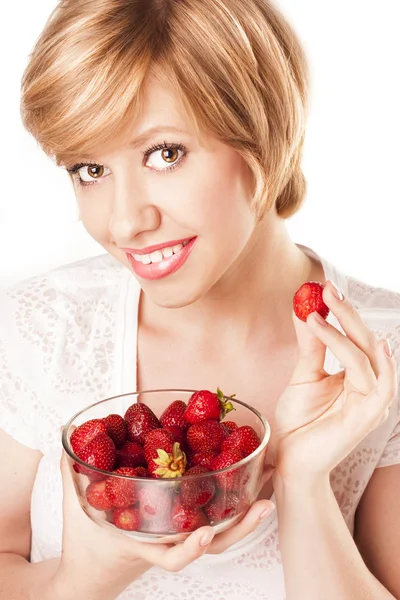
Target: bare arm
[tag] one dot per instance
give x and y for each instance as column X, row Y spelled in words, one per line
column 377, row 527
column 320, row 558
column 17, row 474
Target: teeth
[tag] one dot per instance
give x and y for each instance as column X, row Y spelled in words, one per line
column 145, row 259
column 156, row 256
column 167, row 252
column 159, row 255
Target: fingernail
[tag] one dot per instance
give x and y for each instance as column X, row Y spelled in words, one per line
column 336, row 292
column 318, row 319
column 388, row 349
column 267, row 512
column 207, row 539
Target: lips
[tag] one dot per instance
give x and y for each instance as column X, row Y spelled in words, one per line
column 167, row 259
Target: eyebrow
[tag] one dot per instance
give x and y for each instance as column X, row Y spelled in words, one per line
column 143, row 137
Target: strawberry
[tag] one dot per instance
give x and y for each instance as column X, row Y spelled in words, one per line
column 206, row 436
column 140, row 419
column 157, row 439
column 85, row 434
column 96, row 495
column 99, row 453
column 116, row 429
column 229, row 426
column 142, row 472
column 196, row 493
column 205, row 405
column 308, row 299
column 243, row 440
column 122, row 492
column 126, row 518
column 130, row 454
column 168, row 464
column 222, row 507
column 203, row 459
column 155, row 508
column 186, row 519
column 230, row 480
column 173, row 415
column 178, row 434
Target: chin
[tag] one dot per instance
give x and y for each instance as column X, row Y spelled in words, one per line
column 177, row 300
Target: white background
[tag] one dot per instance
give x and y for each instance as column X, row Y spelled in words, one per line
column 351, row 215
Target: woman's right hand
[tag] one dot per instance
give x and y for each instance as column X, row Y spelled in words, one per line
column 104, row 561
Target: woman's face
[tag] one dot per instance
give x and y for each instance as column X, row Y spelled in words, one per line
column 189, row 200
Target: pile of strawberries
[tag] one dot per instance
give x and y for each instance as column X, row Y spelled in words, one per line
column 188, row 442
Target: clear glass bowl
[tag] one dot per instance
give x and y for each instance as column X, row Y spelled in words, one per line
column 160, row 514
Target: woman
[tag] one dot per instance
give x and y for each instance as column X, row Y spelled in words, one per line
column 213, row 95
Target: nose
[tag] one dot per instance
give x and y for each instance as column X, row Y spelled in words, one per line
column 132, row 214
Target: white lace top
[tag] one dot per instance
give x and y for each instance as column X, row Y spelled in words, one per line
column 67, row 339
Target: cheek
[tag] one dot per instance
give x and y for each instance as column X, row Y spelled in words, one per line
column 95, row 216
column 218, row 198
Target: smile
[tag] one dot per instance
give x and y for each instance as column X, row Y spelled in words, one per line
column 161, row 262
column 159, row 255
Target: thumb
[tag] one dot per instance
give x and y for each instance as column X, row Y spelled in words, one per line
column 311, row 358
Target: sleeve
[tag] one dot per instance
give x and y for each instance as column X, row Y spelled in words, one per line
column 18, row 398
column 391, row 452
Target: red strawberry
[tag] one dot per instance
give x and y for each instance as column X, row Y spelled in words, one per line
column 230, row 480
column 308, row 299
column 178, row 434
column 96, row 495
column 222, row 507
column 157, row 439
column 99, row 453
column 186, row 519
column 196, row 493
column 243, row 440
column 126, row 518
column 203, row 459
column 85, row 434
column 121, row 491
column 204, row 405
column 173, row 415
column 168, row 464
column 155, row 508
column 130, row 454
column 206, row 436
column 229, row 426
column 140, row 419
column 142, row 472
column 116, row 429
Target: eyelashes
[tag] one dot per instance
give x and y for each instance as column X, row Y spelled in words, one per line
column 74, row 170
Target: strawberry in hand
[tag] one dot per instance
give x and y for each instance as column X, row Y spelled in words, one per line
column 320, row 418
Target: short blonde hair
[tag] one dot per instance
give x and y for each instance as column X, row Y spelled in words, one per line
column 236, row 65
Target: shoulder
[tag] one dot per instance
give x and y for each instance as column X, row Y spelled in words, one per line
column 63, row 312
column 35, row 303
column 366, row 297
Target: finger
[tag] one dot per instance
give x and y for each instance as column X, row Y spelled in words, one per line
column 386, row 388
column 352, row 324
column 355, row 361
column 259, row 511
column 311, row 358
column 179, row 556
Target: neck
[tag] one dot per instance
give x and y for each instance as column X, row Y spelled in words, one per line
column 254, row 296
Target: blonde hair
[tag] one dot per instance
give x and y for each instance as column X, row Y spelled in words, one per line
column 236, row 65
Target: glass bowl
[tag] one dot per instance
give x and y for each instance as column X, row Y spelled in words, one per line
column 167, row 510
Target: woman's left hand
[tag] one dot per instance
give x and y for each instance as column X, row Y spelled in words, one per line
column 321, row 418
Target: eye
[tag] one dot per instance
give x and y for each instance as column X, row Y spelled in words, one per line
column 165, row 157
column 87, row 173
